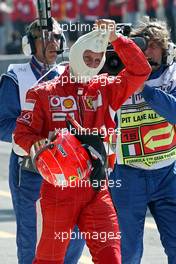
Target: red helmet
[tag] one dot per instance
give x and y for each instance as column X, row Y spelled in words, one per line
column 64, row 160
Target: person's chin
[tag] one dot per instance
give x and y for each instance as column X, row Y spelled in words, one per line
column 52, row 59
column 155, row 68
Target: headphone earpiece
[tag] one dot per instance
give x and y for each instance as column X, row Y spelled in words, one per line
column 63, row 44
column 32, row 43
column 170, row 56
column 28, row 45
column 28, row 41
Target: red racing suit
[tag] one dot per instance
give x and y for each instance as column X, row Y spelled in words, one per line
column 93, row 105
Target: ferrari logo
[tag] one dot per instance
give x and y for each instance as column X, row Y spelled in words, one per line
column 89, row 102
column 73, row 178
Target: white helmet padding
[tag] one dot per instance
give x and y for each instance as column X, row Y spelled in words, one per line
column 96, row 41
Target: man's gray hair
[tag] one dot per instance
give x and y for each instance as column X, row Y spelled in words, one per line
column 154, row 30
column 34, row 27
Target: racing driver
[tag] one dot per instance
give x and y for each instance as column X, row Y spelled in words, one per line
column 92, row 100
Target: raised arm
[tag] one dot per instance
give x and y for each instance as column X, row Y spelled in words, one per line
column 137, row 68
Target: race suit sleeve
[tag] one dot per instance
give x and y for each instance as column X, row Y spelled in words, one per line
column 29, row 125
column 10, row 107
column 118, row 89
column 161, row 102
column 137, row 70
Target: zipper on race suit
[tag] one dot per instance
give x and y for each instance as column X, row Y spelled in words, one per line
column 80, row 106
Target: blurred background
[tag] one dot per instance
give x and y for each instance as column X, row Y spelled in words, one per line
column 77, row 17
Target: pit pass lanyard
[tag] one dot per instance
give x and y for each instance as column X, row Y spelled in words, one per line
column 38, row 71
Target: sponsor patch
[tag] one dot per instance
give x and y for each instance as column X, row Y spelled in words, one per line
column 26, row 118
column 62, row 151
column 89, row 103
column 68, row 103
column 92, row 102
column 57, row 117
column 54, row 103
column 29, row 105
column 57, row 103
column 73, row 178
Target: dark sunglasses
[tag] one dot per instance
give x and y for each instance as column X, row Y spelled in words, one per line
column 50, row 37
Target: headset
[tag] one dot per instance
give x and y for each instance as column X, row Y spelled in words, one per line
column 28, row 44
column 28, row 41
column 170, row 57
